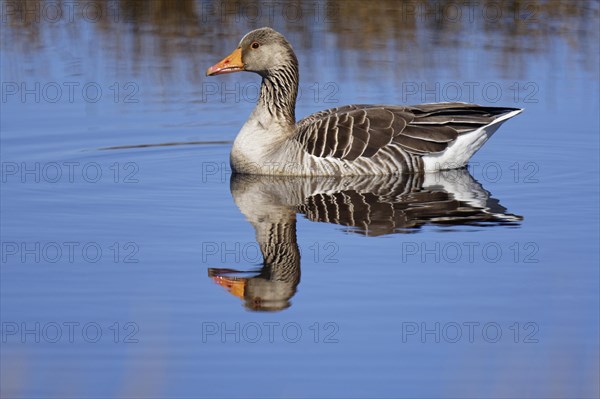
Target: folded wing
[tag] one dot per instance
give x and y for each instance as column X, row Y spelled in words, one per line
column 355, row 131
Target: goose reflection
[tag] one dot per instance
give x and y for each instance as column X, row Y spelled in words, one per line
column 367, row 205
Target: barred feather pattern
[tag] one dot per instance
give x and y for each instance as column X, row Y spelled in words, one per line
column 280, row 253
column 388, row 139
column 278, row 92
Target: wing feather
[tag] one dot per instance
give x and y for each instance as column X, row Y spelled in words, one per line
column 354, row 131
column 439, row 134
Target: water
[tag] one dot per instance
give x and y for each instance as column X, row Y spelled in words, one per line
column 112, row 240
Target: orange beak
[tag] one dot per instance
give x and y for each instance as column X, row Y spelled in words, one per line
column 231, row 63
column 236, row 286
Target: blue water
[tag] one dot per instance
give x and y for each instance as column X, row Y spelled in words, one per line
column 109, row 235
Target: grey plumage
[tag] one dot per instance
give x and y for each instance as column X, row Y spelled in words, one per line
column 363, row 130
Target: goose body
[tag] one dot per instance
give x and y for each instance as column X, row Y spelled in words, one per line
column 349, row 140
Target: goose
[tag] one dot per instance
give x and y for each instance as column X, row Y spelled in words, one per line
column 350, row 140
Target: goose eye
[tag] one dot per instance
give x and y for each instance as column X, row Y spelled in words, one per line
column 255, row 45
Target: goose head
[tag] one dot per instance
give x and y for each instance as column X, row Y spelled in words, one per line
column 258, row 292
column 261, row 51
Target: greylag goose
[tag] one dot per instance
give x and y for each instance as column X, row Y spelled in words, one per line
column 349, row 140
column 367, row 205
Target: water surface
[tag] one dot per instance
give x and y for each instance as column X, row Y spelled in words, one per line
column 128, row 248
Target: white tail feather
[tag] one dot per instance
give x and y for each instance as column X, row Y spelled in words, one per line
column 458, row 153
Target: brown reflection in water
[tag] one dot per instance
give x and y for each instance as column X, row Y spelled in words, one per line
column 402, row 33
column 366, row 205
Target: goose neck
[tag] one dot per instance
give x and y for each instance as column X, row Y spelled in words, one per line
column 278, row 94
